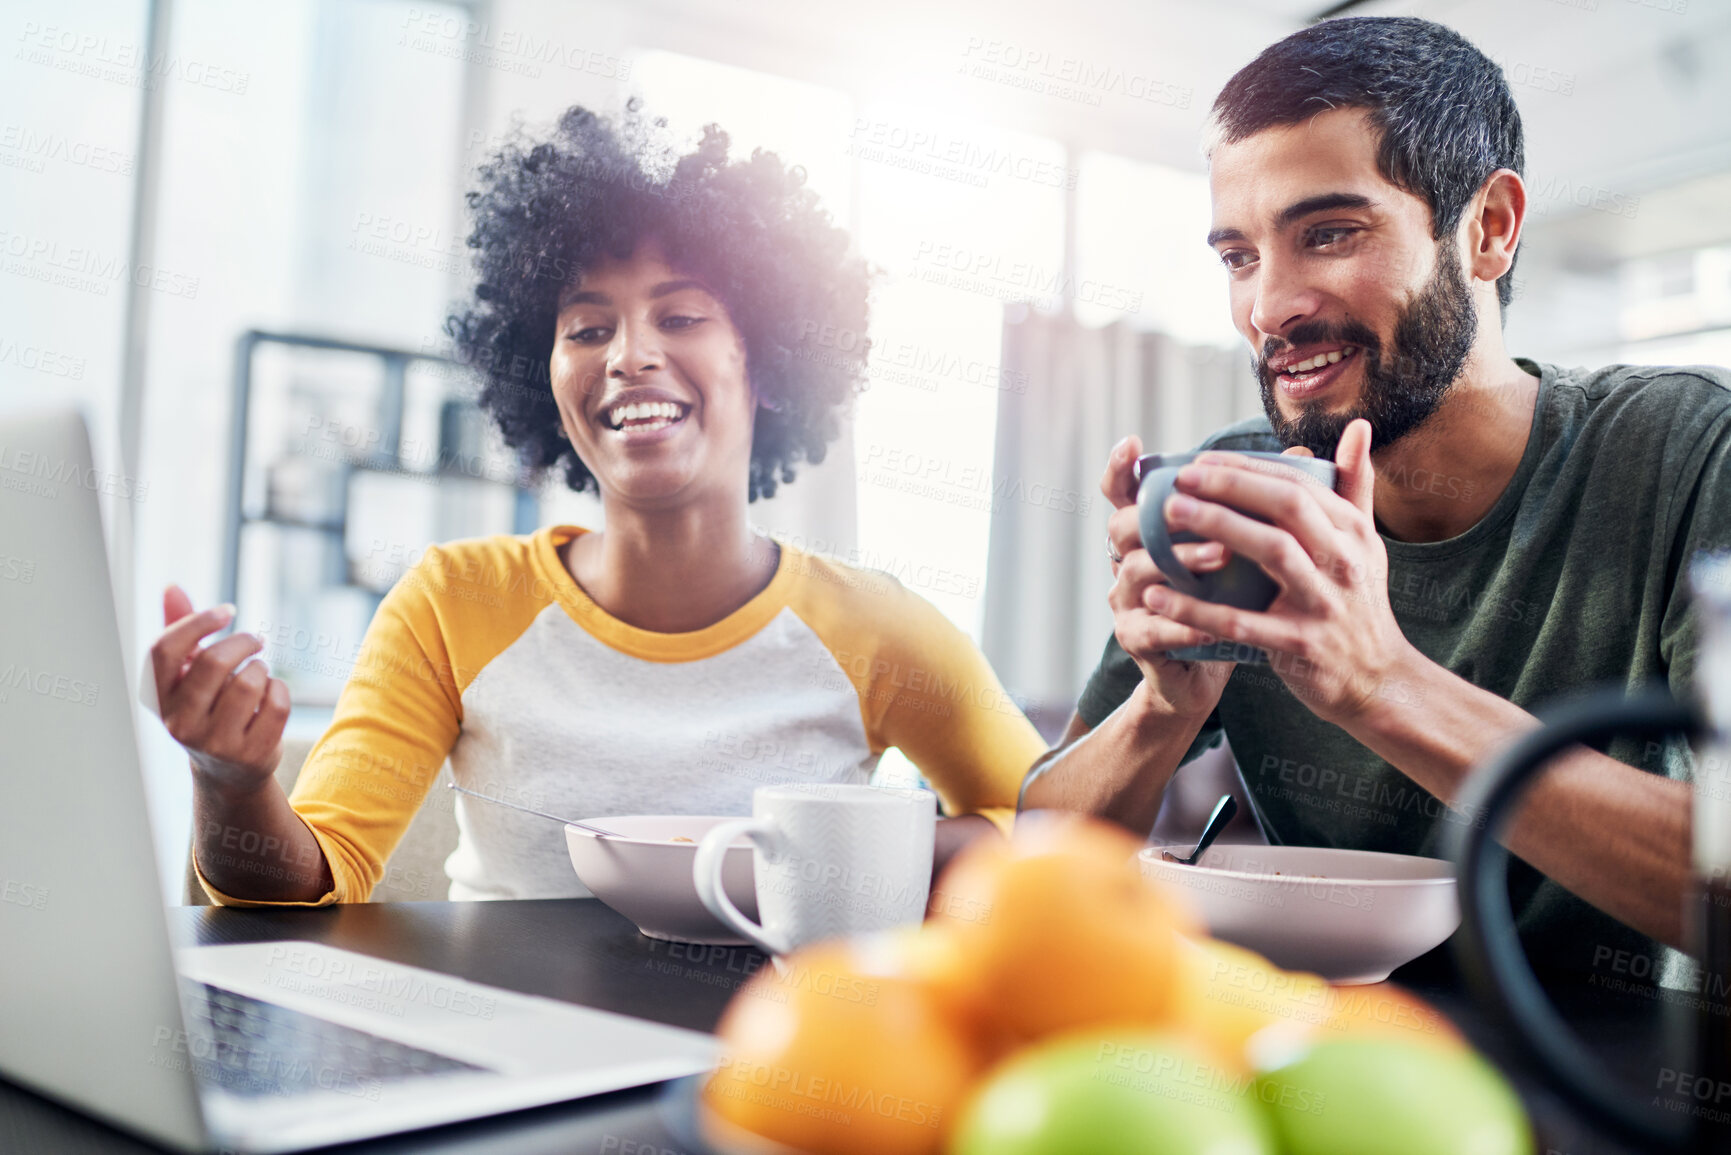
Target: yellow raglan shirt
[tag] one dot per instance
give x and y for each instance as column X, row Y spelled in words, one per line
column 487, row 652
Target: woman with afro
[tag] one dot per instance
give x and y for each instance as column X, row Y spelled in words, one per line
column 662, row 330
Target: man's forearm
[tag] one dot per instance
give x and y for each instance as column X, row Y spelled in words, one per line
column 1615, row 836
column 254, row 846
column 1120, row 769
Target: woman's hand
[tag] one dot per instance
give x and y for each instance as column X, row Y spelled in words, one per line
column 229, row 720
column 954, row 835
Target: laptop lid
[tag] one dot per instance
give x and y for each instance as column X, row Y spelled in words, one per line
column 89, row 1006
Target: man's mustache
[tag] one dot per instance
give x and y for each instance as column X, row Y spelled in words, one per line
column 1319, row 332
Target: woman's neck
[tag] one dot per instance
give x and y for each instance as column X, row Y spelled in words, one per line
column 672, row 571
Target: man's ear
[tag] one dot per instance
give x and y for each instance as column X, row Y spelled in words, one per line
column 1491, row 229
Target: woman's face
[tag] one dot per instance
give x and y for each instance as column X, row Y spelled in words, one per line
column 649, row 375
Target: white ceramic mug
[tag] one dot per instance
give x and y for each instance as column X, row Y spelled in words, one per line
column 830, row 859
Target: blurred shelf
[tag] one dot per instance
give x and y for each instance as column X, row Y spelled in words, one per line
column 333, row 527
column 345, row 463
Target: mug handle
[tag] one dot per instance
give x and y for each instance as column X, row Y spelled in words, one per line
column 1151, row 498
column 706, row 873
column 1488, row 947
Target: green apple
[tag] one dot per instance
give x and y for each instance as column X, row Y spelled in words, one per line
column 1369, row 1096
column 1115, row 1093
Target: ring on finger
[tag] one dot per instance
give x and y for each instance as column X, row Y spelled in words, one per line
column 1112, row 550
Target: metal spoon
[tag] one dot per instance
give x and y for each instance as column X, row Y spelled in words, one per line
column 1223, row 812
column 537, row 813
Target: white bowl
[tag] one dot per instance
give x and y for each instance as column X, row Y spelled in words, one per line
column 646, row 876
column 1351, row 916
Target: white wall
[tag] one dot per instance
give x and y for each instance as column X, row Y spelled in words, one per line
column 67, row 137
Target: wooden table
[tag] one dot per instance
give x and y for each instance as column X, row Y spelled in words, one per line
column 580, row 951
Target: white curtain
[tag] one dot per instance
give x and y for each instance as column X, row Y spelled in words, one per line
column 1070, row 393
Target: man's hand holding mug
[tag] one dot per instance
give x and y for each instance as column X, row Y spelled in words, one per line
column 1321, row 601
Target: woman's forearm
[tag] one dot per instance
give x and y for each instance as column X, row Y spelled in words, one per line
column 252, row 845
column 955, row 834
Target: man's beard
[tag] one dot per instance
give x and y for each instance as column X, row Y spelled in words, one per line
column 1432, row 338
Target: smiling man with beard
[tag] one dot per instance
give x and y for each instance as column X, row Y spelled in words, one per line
column 1504, row 532
column 1432, row 338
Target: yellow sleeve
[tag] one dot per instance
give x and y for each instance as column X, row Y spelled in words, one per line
column 401, row 709
column 925, row 689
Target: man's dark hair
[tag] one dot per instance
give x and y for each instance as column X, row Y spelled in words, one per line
column 1443, row 107
column 546, row 211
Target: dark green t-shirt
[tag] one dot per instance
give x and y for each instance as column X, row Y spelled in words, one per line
column 1576, row 578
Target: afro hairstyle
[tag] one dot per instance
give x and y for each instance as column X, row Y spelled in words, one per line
column 548, row 210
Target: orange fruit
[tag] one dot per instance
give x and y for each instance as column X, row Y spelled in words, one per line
column 938, row 958
column 1384, row 1011
column 847, row 1051
column 1232, row 993
column 1236, row 994
column 1058, row 930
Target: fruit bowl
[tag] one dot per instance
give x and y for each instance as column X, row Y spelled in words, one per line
column 1351, row 916
column 1058, row 1000
column 645, row 874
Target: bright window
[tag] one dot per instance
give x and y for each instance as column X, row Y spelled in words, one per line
column 962, row 219
column 1141, row 252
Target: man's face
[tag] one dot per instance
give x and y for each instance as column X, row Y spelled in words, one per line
column 1350, row 307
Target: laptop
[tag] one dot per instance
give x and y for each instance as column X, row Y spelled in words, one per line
column 264, row 1047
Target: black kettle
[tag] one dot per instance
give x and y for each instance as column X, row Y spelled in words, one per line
column 1487, row 945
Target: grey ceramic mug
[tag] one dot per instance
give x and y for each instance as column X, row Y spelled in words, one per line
column 1240, row 583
